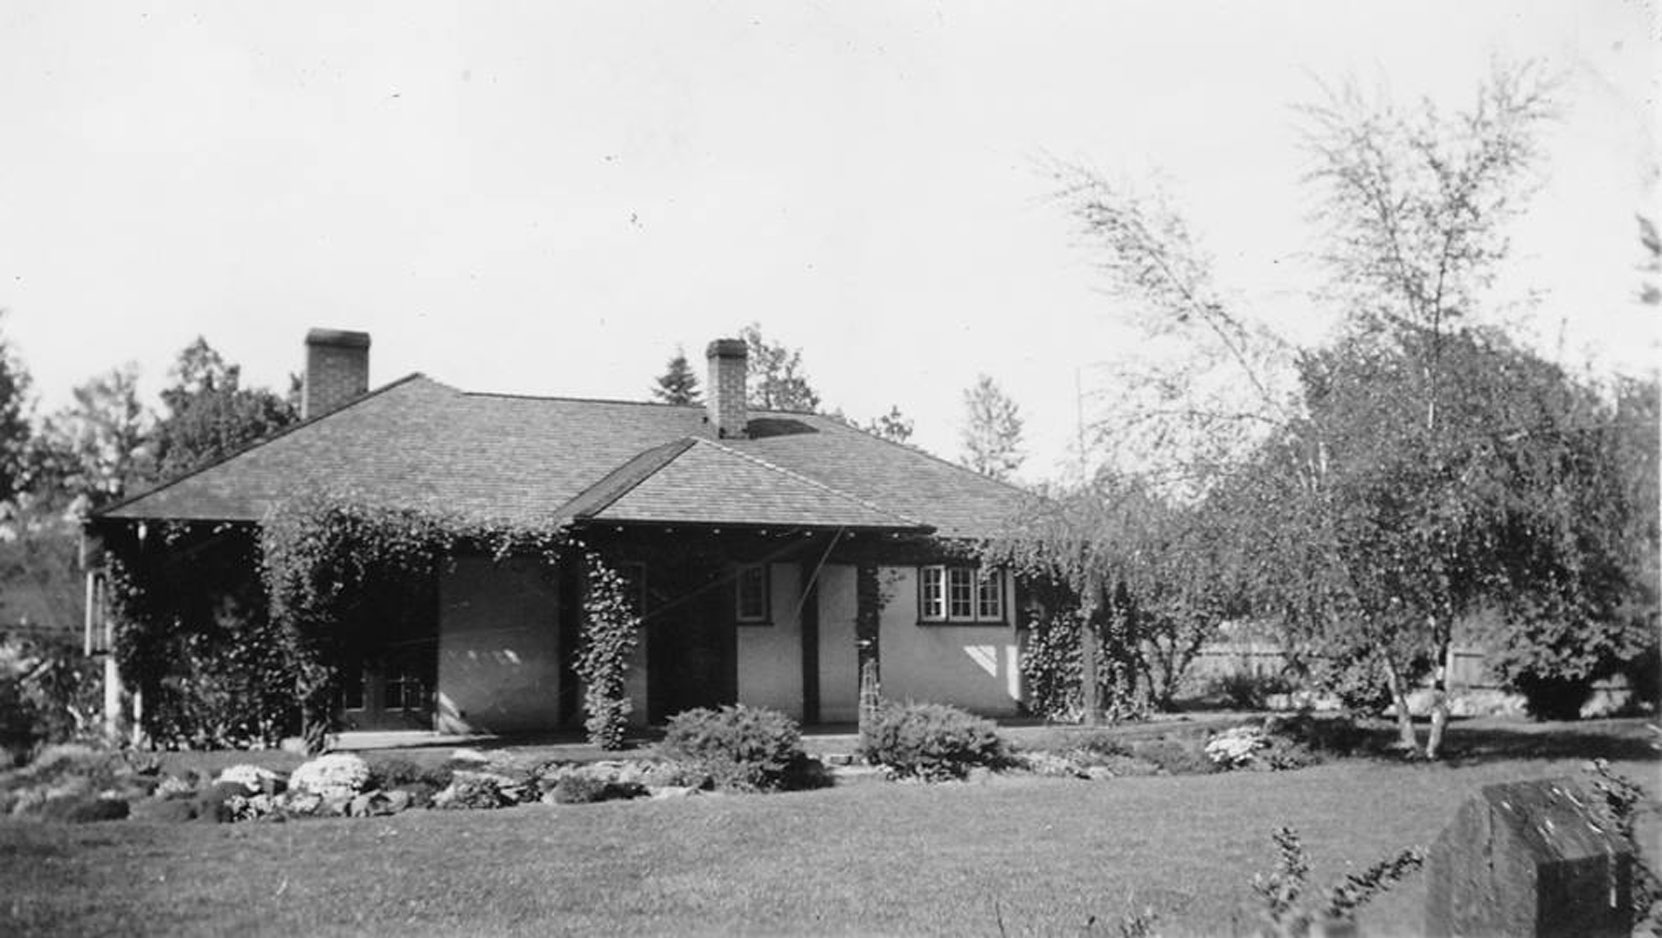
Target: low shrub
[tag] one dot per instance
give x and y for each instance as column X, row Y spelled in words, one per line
column 741, row 748
column 666, row 774
column 1174, row 756
column 1237, row 747
column 475, row 792
column 1248, row 691
column 1129, row 766
column 1283, row 754
column 1336, row 735
column 393, row 771
column 1099, row 744
column 82, row 809
column 933, row 742
column 1276, row 746
column 589, row 789
column 421, row 791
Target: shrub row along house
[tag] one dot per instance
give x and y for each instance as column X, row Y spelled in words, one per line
column 768, row 554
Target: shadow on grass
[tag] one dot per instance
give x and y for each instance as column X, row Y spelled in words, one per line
column 1476, row 744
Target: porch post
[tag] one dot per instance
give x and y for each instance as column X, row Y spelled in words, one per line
column 867, row 620
column 112, row 699
column 809, row 620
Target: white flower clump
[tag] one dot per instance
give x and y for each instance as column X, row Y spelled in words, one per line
column 251, row 777
column 339, row 774
column 1234, row 747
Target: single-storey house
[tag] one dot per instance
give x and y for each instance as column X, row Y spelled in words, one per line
column 770, row 554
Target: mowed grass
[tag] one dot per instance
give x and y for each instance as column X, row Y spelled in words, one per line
column 1021, row 856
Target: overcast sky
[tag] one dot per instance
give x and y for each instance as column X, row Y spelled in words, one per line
column 550, row 198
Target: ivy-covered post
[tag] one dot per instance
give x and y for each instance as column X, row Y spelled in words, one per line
column 868, row 614
column 609, row 633
column 1090, row 686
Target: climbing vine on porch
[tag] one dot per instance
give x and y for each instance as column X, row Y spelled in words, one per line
column 333, row 567
column 610, row 632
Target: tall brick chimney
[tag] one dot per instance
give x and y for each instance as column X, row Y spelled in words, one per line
column 724, row 391
column 337, row 370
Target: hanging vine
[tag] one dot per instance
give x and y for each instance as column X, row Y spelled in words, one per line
column 335, row 566
column 610, row 632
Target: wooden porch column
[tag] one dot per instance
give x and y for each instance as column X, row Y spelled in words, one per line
column 868, row 609
column 810, row 643
column 1090, row 687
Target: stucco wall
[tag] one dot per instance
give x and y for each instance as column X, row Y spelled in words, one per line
column 969, row 666
column 499, row 665
column 839, row 669
column 770, row 656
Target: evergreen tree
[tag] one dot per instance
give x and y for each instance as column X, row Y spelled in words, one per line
column 893, row 426
column 992, row 431
column 678, row 384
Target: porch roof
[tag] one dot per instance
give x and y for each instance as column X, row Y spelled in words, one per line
column 549, row 461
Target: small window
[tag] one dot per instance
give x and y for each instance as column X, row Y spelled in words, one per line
column 751, row 593
column 960, row 594
column 933, row 582
column 989, row 596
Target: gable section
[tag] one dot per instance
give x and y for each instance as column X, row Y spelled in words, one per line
column 709, row 483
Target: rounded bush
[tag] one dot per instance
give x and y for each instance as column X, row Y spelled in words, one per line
column 588, row 789
column 741, row 748
column 1175, row 757
column 338, row 774
column 931, row 741
column 83, row 809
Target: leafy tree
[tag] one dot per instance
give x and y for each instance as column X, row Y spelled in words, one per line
column 678, row 384
column 775, row 380
column 1649, row 293
column 210, row 415
column 1415, row 208
column 992, row 430
column 1146, row 579
column 93, row 451
column 1418, row 468
column 15, row 453
column 893, row 426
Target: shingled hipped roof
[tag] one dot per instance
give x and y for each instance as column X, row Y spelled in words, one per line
column 549, row 461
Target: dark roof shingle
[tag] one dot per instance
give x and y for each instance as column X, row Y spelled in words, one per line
column 543, row 461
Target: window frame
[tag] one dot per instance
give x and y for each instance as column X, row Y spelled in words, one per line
column 937, row 604
column 765, row 615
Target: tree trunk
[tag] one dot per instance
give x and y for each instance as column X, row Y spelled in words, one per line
column 1439, row 702
column 1090, row 689
column 1406, row 736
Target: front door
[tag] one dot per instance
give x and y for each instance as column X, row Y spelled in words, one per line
column 692, row 657
column 390, row 689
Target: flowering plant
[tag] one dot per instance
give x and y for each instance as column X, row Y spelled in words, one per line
column 1234, row 748
column 336, row 774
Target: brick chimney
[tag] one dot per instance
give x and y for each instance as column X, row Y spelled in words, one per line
column 337, row 370
column 724, row 391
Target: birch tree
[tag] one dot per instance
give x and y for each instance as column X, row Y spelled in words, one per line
column 1363, row 435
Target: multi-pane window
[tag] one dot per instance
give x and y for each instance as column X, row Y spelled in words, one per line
column 751, row 593
column 932, row 581
column 989, row 596
column 960, row 594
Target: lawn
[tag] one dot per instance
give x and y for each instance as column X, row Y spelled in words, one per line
column 1011, row 855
